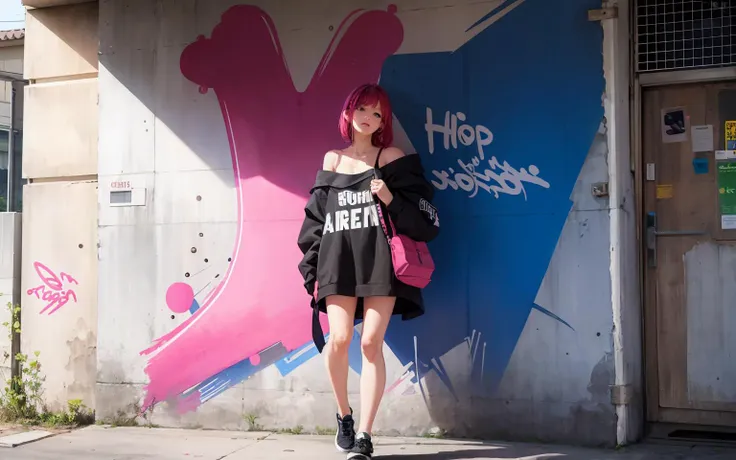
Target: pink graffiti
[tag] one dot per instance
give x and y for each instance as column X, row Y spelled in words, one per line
column 179, row 297
column 277, row 139
column 52, row 290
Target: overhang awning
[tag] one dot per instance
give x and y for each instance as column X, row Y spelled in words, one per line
column 47, row 3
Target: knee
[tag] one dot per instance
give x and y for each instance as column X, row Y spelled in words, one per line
column 371, row 347
column 340, row 341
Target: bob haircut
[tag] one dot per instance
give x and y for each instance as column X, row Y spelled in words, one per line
column 368, row 95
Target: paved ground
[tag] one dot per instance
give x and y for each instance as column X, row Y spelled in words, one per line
column 101, row 443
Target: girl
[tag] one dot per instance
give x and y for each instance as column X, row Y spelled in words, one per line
column 347, row 256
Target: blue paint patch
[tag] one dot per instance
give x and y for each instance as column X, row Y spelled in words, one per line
column 285, row 362
column 194, row 307
column 235, row 374
column 301, row 355
column 541, row 99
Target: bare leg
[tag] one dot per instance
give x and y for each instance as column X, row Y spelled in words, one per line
column 378, row 312
column 340, row 314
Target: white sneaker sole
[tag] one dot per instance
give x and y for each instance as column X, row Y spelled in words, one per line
column 340, row 449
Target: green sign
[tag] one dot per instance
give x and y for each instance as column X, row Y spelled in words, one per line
column 727, row 187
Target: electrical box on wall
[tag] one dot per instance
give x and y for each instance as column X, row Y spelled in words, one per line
column 126, row 192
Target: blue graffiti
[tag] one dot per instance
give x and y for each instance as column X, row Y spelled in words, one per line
column 301, row 355
column 512, row 114
column 285, row 362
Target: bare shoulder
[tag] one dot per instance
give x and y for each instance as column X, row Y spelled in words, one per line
column 390, row 154
column 331, row 159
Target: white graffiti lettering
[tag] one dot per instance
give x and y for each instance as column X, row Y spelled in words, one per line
column 451, row 132
column 497, row 178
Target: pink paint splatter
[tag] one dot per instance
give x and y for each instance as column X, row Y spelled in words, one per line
column 52, row 290
column 277, row 139
column 399, row 381
column 179, row 297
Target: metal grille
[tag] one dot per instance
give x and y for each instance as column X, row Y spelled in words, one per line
column 685, row 34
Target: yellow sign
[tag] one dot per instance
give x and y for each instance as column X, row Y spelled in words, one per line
column 730, row 134
column 664, row 191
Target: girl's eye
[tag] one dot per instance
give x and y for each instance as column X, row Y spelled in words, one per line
column 377, row 115
column 361, row 109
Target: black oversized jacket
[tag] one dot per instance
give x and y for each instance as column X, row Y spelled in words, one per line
column 411, row 212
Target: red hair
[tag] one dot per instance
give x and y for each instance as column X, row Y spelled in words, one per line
column 369, row 95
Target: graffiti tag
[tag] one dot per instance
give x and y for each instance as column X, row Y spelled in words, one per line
column 496, row 178
column 52, row 291
column 451, row 133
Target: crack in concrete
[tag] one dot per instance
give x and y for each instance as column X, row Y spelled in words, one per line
column 258, row 440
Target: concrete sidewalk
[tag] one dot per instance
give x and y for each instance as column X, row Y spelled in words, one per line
column 104, row 443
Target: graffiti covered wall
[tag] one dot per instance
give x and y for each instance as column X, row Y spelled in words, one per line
column 214, row 117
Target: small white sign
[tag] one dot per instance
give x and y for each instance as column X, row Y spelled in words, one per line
column 725, row 154
column 650, row 172
column 702, row 138
column 125, row 191
column 728, row 222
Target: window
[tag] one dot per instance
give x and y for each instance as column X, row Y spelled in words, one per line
column 685, row 34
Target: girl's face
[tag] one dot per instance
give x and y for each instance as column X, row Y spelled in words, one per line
column 367, row 119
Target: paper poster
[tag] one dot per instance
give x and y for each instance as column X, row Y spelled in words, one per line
column 674, row 127
column 726, row 171
column 728, row 222
column 702, row 138
column 664, row 191
column 730, row 134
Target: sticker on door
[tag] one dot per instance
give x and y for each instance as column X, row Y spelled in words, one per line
column 729, row 133
column 674, row 125
column 664, row 191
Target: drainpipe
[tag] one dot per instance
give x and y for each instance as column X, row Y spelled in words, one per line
column 10, row 196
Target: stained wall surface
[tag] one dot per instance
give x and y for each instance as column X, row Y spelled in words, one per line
column 213, row 120
column 59, row 261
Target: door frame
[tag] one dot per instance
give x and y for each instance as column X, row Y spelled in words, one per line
column 640, row 82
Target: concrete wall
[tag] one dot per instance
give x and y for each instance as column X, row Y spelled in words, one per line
column 59, row 272
column 202, row 327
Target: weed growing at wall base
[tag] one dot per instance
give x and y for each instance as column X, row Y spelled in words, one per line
column 21, row 400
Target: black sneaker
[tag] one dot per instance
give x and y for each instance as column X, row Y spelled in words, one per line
column 363, row 449
column 345, row 437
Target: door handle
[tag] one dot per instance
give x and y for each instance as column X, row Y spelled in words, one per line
column 653, row 233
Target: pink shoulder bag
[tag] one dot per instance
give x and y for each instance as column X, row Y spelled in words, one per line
column 413, row 264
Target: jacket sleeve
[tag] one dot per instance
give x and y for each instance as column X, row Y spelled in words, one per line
column 310, row 237
column 413, row 213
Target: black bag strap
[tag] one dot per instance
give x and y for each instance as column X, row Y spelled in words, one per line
column 375, row 166
column 318, row 336
column 383, row 217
